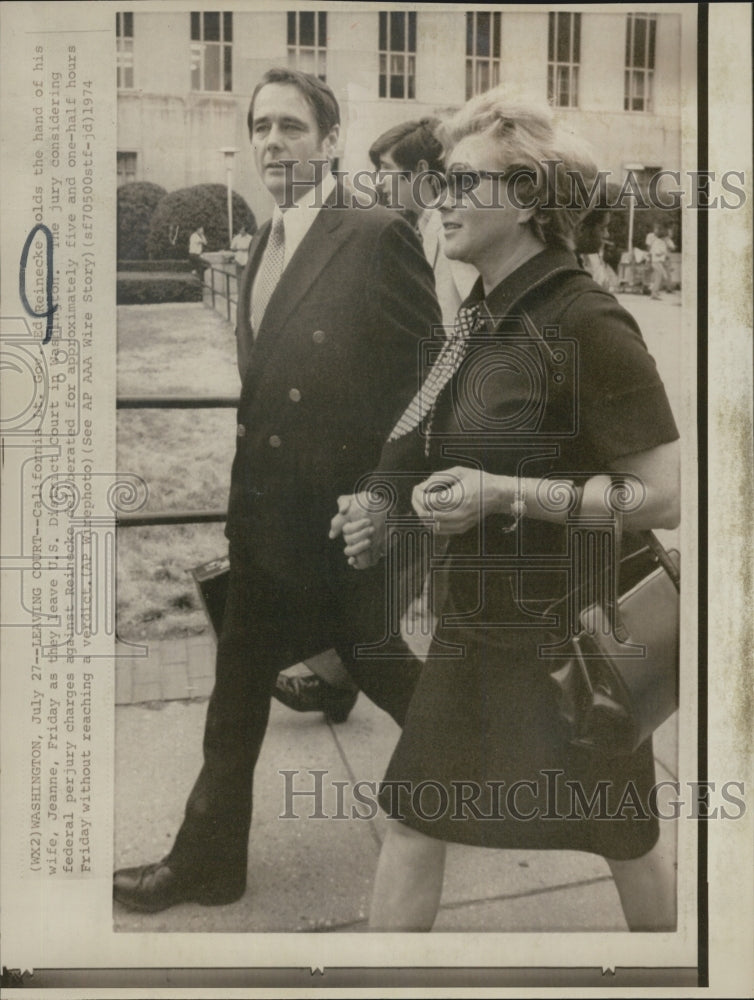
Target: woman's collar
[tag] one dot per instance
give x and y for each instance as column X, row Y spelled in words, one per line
column 532, row 273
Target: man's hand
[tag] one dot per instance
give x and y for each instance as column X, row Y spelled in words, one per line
column 361, row 522
column 459, row 498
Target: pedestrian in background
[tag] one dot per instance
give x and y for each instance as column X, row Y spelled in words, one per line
column 409, row 158
column 197, row 246
column 240, row 246
column 659, row 246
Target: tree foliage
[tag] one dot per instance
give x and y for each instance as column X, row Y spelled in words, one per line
column 136, row 205
column 181, row 212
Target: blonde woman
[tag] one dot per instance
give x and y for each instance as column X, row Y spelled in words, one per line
column 484, row 758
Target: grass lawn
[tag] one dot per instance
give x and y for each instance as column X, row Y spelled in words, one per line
column 184, row 456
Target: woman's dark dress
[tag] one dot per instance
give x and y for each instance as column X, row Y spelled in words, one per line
column 483, row 730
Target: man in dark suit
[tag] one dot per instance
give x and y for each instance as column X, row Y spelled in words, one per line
column 332, row 305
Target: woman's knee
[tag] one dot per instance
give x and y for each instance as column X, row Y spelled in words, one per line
column 403, row 838
column 400, row 831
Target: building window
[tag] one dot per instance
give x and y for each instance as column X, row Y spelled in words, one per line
column 482, row 52
column 126, row 168
column 563, row 58
column 398, row 54
column 307, row 41
column 640, row 61
column 124, row 36
column 212, row 50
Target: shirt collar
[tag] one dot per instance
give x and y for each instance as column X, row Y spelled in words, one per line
column 297, row 220
column 423, row 221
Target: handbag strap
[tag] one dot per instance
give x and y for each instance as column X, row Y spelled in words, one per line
column 655, row 545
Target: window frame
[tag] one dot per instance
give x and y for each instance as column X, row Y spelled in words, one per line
column 123, row 156
column 124, row 49
column 201, row 47
column 644, row 71
column 317, row 51
column 476, row 61
column 556, row 65
column 388, row 52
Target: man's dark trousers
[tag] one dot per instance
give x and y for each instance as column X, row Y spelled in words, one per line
column 260, row 636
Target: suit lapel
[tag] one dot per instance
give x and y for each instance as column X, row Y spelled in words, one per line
column 307, row 263
column 244, row 337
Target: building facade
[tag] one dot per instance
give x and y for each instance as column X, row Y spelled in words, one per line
column 613, row 73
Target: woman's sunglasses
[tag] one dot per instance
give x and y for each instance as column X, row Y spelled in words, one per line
column 460, row 182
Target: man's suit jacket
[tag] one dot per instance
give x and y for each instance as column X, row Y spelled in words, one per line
column 330, row 370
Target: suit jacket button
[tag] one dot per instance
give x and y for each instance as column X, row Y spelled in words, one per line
column 240, row 431
column 275, row 441
column 294, row 395
column 318, row 336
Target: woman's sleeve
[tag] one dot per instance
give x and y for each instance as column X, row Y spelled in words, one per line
column 622, row 404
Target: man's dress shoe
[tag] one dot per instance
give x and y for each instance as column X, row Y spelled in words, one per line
column 155, row 887
column 312, row 694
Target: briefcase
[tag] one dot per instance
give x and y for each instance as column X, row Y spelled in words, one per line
column 212, row 583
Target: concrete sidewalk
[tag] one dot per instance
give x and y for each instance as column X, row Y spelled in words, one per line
column 315, row 873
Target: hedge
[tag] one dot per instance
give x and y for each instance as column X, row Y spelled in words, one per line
column 136, row 205
column 180, row 266
column 134, row 288
column 181, row 212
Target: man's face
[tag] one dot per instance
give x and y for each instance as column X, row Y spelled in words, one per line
column 285, row 128
column 394, row 184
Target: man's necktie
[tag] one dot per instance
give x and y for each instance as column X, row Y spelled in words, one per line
column 269, row 272
column 442, row 371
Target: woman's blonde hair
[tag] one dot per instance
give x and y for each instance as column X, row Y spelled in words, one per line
column 557, row 167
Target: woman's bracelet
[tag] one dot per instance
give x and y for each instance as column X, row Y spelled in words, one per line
column 518, row 506
column 561, row 489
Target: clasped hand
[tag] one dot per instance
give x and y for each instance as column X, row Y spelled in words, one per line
column 361, row 522
column 452, row 501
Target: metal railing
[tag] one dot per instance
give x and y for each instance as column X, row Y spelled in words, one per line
column 222, row 284
column 138, row 520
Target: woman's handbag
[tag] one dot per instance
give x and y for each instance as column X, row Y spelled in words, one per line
column 620, row 681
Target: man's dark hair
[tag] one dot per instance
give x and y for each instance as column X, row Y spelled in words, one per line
column 317, row 95
column 590, row 231
column 408, row 143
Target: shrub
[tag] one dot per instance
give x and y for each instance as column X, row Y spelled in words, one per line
column 181, row 212
column 644, row 221
column 148, row 266
column 135, row 288
column 136, row 205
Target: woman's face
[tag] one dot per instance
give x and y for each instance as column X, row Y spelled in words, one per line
column 480, row 224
